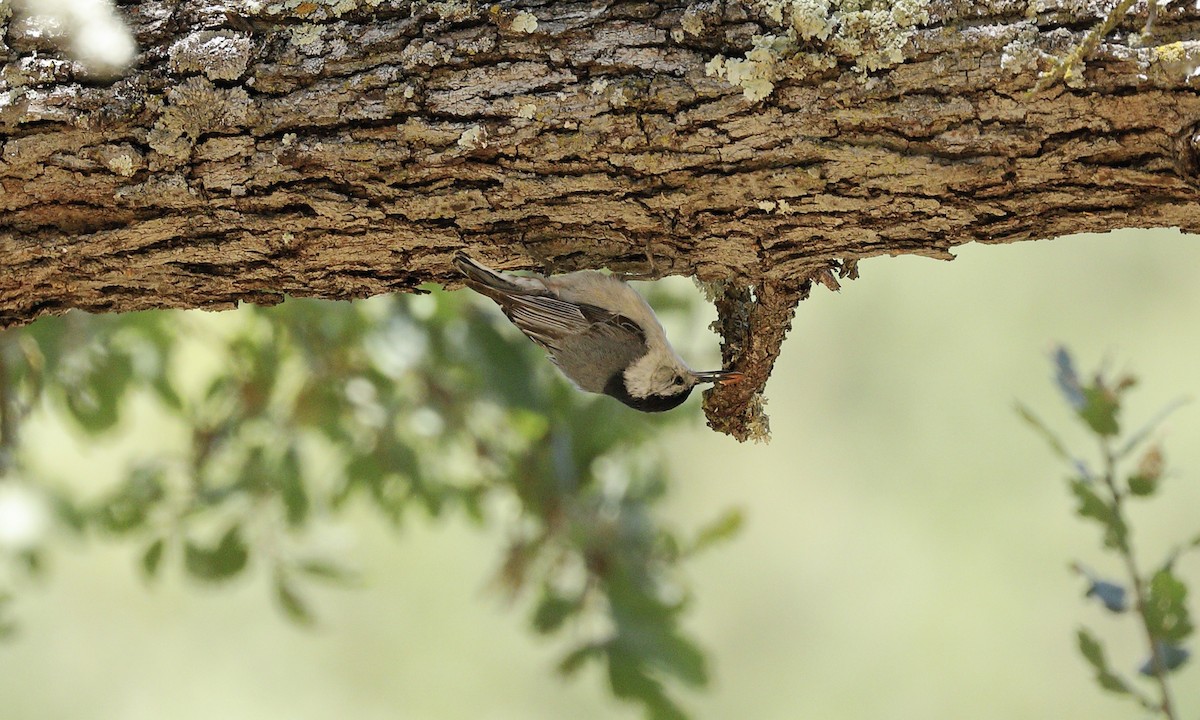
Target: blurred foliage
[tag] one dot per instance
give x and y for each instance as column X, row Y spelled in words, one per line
column 428, row 404
column 1159, row 598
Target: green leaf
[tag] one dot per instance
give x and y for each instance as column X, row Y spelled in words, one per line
column 530, row 425
column 292, row 490
column 471, row 499
column 1091, row 649
column 364, row 470
column 94, row 402
column 1093, row 652
column 220, row 562
column 679, row 657
column 629, row 680
column 67, row 511
column 319, row 404
column 1093, row 506
column 1144, row 480
column 257, row 474
column 327, row 571
column 1100, row 410
column 1042, row 429
column 553, row 610
column 152, row 558
column 724, row 527
column 293, row 606
column 628, row 677
column 127, row 509
column 1142, row 485
column 221, row 390
column 166, row 393
column 1166, row 609
column 577, row 657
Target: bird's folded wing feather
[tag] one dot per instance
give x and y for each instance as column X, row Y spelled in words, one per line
column 544, row 318
column 548, row 320
column 606, row 349
column 592, row 341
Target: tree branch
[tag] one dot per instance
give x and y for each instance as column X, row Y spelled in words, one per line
column 345, row 150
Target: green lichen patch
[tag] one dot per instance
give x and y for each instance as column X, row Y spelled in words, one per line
column 220, row 55
column 5, row 14
column 319, row 9
column 473, row 138
column 122, row 159
column 816, row 35
column 510, row 20
column 1175, row 61
column 196, row 107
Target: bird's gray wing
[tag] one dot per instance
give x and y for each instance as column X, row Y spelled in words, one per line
column 589, row 343
column 610, row 345
column 547, row 320
column 544, row 318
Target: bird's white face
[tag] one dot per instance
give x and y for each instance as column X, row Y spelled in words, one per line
column 651, row 376
column 673, row 380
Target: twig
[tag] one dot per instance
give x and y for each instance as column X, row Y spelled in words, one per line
column 1158, row 662
column 1084, row 49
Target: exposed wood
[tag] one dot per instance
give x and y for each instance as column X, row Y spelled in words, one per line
column 347, row 149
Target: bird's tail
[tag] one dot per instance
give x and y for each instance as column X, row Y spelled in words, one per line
column 478, row 274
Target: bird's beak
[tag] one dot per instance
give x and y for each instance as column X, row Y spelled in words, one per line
column 721, row 377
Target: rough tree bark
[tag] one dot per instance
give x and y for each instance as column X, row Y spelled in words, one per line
column 344, row 148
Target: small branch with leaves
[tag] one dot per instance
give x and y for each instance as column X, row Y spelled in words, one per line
column 1158, row 599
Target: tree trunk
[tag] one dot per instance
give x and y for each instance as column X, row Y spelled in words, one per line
column 346, row 148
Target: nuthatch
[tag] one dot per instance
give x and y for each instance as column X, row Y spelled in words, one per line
column 598, row 331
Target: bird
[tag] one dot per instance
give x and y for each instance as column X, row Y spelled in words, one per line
column 599, row 332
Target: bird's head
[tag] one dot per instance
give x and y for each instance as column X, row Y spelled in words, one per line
column 656, row 383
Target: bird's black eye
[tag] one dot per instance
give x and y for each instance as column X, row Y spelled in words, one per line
column 678, row 380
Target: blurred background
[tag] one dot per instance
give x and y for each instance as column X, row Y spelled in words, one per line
column 905, row 549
